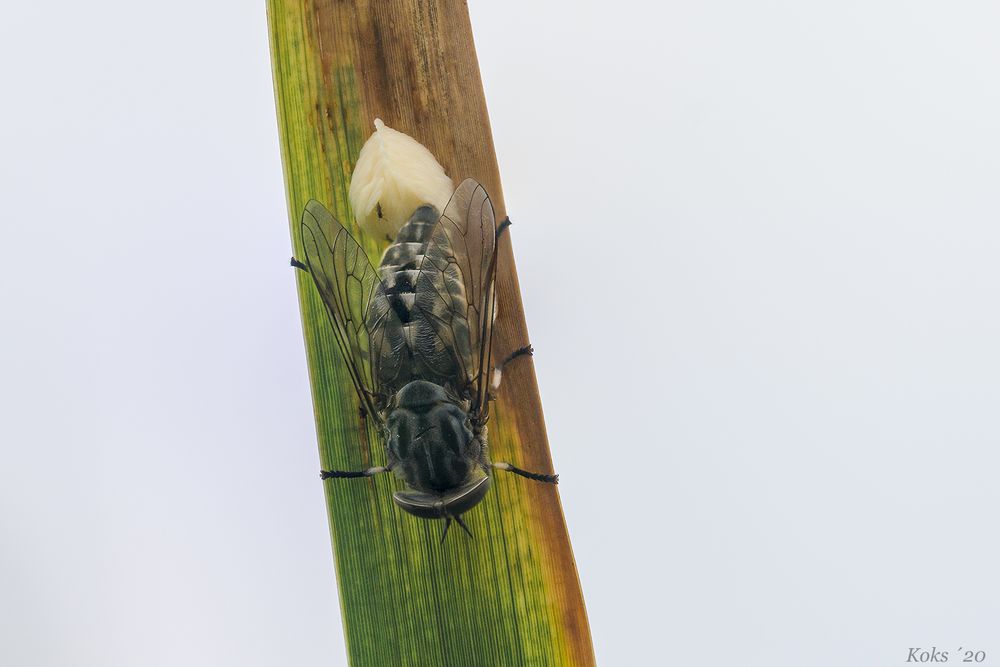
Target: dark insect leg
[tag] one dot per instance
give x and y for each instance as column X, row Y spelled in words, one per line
column 504, row 224
column 341, row 474
column 377, row 399
column 537, row 476
column 525, row 351
column 299, row 265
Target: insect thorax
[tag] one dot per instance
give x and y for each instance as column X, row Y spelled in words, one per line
column 430, row 438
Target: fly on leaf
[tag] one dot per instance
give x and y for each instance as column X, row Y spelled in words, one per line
column 417, row 337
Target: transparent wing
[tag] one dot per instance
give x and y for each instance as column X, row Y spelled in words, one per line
column 454, row 288
column 350, row 287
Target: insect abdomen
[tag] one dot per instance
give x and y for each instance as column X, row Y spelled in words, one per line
column 433, row 342
column 401, row 261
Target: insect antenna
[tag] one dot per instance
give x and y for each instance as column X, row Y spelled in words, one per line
column 458, row 520
column 447, row 524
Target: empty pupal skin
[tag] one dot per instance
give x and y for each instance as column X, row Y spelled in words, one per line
column 394, row 175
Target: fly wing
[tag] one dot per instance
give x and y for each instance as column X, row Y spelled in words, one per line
column 454, row 289
column 351, row 289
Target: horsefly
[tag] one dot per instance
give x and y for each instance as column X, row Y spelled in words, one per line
column 417, row 338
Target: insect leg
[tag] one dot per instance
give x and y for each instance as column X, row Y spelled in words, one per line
column 502, row 227
column 537, row 476
column 525, row 351
column 299, row 265
column 339, row 474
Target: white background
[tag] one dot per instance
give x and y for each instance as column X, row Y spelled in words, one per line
column 758, row 244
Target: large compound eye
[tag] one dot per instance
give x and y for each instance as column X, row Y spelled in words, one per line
column 467, row 497
column 417, row 503
column 434, row 506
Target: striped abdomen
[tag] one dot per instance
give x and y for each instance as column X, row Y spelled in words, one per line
column 401, row 261
column 428, row 337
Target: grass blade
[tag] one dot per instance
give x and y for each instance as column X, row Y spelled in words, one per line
column 511, row 595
